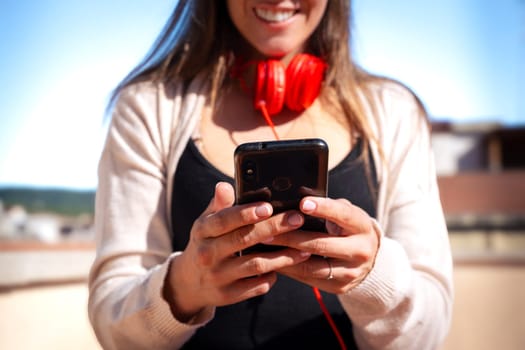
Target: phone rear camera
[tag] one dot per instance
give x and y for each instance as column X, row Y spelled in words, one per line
column 249, row 170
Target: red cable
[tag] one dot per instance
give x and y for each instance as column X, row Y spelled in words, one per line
column 329, row 318
column 262, row 106
column 318, row 296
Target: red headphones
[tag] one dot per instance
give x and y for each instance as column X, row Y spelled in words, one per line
column 296, row 86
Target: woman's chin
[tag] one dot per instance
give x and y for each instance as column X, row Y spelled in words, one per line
column 280, row 53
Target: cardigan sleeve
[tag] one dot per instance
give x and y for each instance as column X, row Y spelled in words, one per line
column 406, row 300
column 134, row 250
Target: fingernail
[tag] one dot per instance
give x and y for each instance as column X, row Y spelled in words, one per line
column 295, row 219
column 309, row 205
column 305, row 254
column 263, row 211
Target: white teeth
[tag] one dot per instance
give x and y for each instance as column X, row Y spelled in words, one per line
column 274, row 16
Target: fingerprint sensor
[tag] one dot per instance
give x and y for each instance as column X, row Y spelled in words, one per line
column 281, row 184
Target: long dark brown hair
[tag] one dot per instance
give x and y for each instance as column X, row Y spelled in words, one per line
column 199, row 37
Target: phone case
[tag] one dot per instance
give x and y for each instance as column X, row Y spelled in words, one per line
column 282, row 173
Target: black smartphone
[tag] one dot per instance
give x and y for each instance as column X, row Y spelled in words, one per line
column 282, row 173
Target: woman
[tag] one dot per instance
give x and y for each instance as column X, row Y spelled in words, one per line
column 167, row 274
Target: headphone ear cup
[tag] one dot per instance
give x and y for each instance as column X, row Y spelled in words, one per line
column 304, row 77
column 270, row 86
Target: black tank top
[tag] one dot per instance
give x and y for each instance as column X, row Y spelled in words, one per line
column 289, row 316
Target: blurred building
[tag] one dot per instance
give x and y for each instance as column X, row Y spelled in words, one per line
column 481, row 175
column 481, row 147
column 17, row 224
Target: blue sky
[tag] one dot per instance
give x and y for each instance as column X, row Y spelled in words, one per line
column 465, row 58
column 60, row 59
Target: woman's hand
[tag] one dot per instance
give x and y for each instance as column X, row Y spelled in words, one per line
column 211, row 273
column 340, row 259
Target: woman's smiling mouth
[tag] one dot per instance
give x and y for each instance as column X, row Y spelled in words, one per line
column 274, row 15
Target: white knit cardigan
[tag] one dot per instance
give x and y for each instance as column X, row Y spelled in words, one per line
column 404, row 303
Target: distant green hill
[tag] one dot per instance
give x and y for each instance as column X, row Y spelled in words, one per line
column 59, row 201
